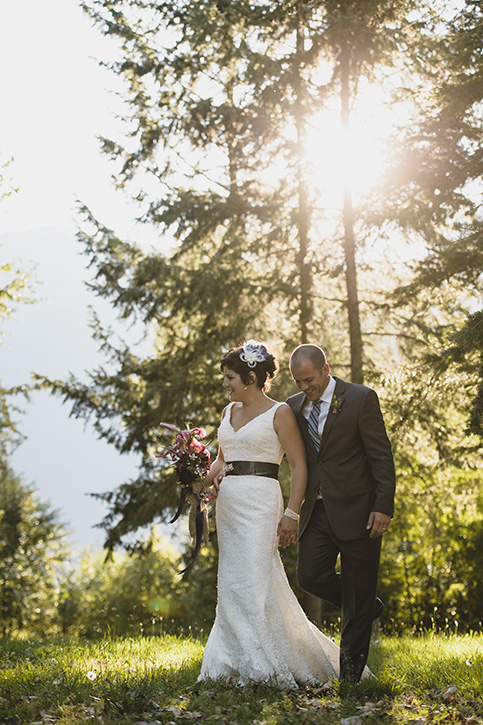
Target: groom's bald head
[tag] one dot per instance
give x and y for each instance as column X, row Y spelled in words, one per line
column 308, row 353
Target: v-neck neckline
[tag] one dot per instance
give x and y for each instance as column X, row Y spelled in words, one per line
column 249, row 421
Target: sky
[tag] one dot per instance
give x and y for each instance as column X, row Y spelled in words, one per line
column 55, row 100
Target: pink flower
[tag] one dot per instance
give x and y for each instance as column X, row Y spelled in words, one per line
column 196, row 445
column 190, row 457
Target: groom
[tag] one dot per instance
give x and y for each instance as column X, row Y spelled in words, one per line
column 349, row 499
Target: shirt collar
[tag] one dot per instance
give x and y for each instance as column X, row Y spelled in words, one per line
column 326, row 396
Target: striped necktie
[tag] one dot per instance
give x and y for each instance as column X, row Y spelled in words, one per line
column 314, row 424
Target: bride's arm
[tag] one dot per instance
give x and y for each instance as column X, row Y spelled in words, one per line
column 215, row 474
column 215, row 470
column 291, row 441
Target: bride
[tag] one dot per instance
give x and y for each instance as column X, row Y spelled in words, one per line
column 260, row 631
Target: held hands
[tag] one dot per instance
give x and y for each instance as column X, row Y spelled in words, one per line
column 287, row 531
column 378, row 523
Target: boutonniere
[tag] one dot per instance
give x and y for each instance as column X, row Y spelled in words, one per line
column 336, row 404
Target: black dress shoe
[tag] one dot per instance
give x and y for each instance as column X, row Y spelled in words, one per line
column 378, row 608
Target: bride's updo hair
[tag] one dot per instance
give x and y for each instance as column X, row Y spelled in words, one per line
column 252, row 357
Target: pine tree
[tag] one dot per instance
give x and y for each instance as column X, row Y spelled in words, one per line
column 436, row 198
column 32, row 554
column 15, row 286
column 219, row 97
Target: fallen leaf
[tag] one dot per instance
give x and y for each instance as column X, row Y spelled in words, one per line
column 370, row 708
column 89, row 711
column 314, row 704
column 408, row 702
column 46, row 717
column 450, row 692
column 187, row 715
column 173, row 710
column 210, row 693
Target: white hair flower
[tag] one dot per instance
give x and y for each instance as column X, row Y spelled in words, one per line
column 253, row 353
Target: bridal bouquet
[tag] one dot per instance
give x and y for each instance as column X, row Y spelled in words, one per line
column 192, row 462
column 191, row 458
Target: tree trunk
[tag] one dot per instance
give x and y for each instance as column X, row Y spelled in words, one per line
column 357, row 374
column 303, row 214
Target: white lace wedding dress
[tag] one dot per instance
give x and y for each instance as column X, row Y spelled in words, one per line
column 260, row 632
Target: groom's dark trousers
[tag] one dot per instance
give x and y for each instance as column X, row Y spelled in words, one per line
column 354, row 590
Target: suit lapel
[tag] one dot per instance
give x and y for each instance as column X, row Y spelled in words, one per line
column 302, row 421
column 299, row 400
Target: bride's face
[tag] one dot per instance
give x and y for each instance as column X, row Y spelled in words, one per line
column 233, row 383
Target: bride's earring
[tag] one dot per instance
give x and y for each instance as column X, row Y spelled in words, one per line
column 246, row 387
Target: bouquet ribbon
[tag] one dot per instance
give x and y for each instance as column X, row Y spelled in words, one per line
column 198, row 517
column 184, row 492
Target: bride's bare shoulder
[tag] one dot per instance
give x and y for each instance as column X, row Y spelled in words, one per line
column 225, row 409
column 283, row 415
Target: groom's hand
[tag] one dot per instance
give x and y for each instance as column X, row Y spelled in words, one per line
column 378, row 524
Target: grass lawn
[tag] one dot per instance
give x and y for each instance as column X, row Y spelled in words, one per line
column 421, row 679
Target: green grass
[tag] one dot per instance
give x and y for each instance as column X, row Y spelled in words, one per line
column 430, row 678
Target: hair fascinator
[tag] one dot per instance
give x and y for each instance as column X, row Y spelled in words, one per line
column 253, row 353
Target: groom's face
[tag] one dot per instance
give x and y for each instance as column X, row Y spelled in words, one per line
column 311, row 380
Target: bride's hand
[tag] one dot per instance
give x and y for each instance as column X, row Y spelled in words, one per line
column 287, row 531
column 216, row 483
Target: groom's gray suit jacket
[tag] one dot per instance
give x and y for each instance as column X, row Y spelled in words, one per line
column 354, row 466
